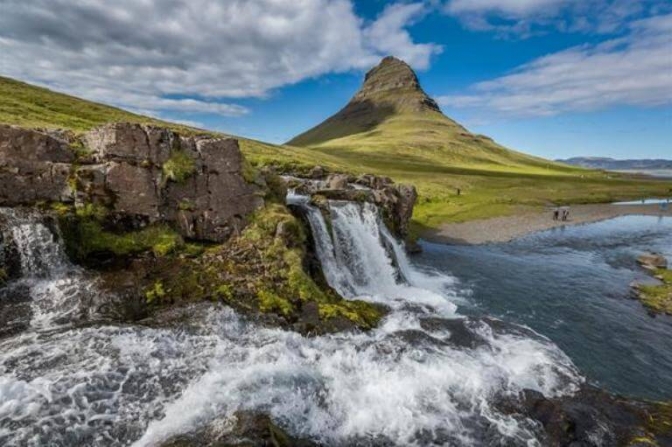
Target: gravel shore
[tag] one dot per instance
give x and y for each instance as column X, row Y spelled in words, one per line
column 504, row 229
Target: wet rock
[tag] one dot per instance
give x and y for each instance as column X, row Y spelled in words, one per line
column 248, row 429
column 337, row 181
column 455, row 331
column 652, row 261
column 396, row 202
column 403, row 210
column 590, row 417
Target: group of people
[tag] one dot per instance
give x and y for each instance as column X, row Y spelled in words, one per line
column 561, row 213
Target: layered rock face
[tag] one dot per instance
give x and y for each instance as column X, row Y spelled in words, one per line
column 33, row 166
column 141, row 174
column 395, row 201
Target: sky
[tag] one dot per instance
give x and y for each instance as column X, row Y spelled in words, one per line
column 555, row 78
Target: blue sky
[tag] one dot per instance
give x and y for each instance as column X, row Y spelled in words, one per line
column 556, row 78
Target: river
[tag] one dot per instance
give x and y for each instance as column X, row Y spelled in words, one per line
column 433, row 372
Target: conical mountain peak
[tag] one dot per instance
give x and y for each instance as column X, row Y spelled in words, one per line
column 393, row 82
column 391, row 88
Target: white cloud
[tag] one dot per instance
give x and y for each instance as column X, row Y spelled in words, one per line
column 151, row 54
column 633, row 70
column 527, row 17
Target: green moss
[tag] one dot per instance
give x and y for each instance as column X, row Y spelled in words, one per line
column 60, row 208
column 85, row 236
column 91, row 211
column 224, row 292
column 179, row 167
column 364, row 314
column 186, row 205
column 3, row 276
column 658, row 299
column 270, row 302
column 155, row 293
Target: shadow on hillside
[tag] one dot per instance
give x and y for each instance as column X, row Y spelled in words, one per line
column 356, row 117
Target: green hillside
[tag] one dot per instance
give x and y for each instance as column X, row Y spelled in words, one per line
column 397, row 132
column 26, row 105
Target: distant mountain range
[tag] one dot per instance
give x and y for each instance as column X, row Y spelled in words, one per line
column 611, row 164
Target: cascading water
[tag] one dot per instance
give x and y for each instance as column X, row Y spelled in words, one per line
column 55, row 286
column 425, row 376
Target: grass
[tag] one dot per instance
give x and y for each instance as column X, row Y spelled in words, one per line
column 427, row 149
column 438, row 157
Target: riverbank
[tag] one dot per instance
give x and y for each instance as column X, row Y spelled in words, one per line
column 507, row 228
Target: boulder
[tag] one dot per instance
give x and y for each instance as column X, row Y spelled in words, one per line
column 652, row 261
column 317, row 172
column 337, row 181
column 244, row 429
column 213, row 203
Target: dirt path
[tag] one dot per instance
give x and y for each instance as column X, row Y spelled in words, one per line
column 504, row 229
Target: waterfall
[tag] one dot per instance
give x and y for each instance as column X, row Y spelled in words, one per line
column 424, row 376
column 55, row 286
column 361, row 259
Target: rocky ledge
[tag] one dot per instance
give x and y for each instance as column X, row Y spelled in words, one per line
column 395, row 201
column 165, row 220
column 141, row 175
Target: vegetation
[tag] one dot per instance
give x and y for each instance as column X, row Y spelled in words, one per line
column 658, row 299
column 85, row 236
column 179, row 167
column 426, row 149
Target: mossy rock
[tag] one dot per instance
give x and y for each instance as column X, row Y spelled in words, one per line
column 179, row 167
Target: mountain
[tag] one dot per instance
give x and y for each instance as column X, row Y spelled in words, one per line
column 391, row 115
column 611, row 164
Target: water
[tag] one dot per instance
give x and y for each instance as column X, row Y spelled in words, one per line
column 53, row 286
column 644, row 202
column 426, row 375
column 572, row 285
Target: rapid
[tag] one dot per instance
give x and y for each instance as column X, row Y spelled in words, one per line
column 426, row 376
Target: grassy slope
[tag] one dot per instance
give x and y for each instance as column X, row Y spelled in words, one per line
column 439, row 156
column 26, row 105
column 493, row 182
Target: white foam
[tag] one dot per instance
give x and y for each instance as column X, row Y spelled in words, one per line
column 399, row 384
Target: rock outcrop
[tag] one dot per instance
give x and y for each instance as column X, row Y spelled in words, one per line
column 652, row 261
column 396, row 201
column 34, row 167
column 140, row 174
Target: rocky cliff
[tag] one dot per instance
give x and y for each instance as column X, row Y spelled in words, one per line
column 166, row 219
column 141, row 175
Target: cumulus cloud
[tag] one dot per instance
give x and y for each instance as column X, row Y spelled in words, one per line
column 632, row 70
column 527, row 17
column 193, row 56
